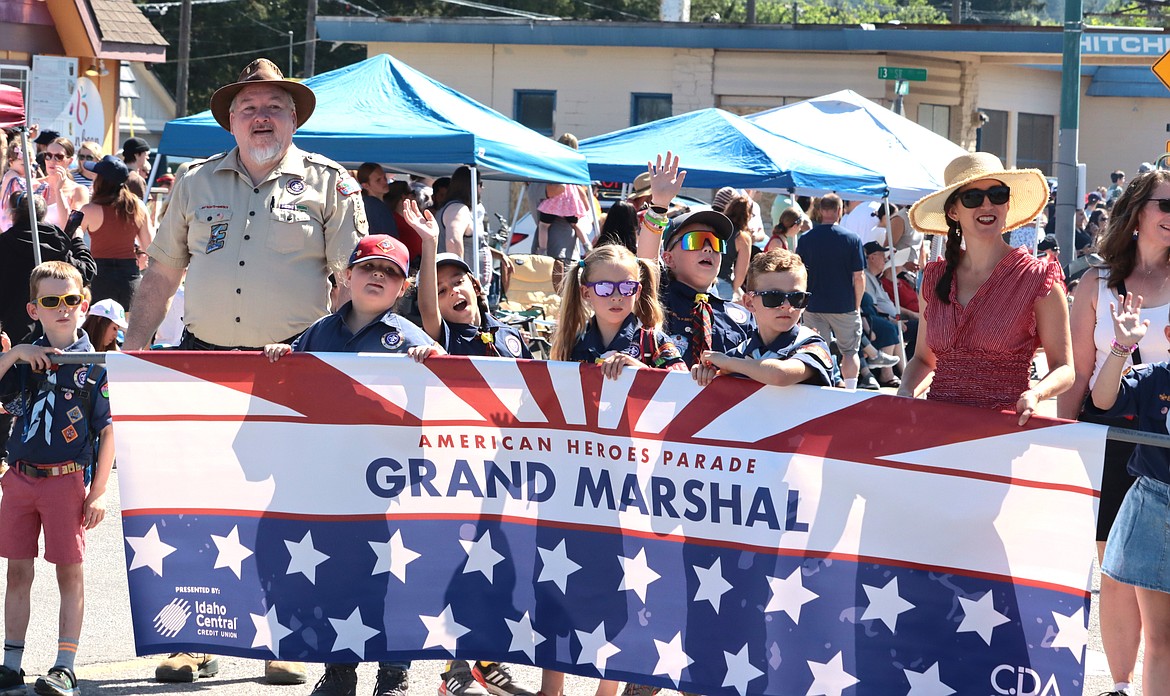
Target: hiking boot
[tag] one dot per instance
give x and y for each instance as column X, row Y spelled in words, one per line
column 11, row 680
column 391, row 681
column 338, row 680
column 497, row 679
column 60, row 681
column 459, row 681
column 281, row 672
column 633, row 689
column 186, row 667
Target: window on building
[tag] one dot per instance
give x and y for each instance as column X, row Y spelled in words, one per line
column 536, row 109
column 15, row 76
column 1034, row 141
column 936, row 117
column 992, row 135
column 645, row 108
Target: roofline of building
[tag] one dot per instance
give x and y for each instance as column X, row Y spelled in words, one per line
column 969, row 39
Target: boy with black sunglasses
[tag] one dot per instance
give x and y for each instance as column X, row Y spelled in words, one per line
column 60, row 411
column 780, row 351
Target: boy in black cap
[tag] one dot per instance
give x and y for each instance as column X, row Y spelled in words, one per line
column 691, row 246
column 136, row 155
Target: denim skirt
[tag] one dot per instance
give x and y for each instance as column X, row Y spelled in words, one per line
column 1138, row 550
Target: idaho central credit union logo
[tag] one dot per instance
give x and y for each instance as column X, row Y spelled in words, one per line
column 172, row 618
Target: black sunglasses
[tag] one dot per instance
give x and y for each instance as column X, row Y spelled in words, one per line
column 1163, row 204
column 973, row 198
column 774, row 298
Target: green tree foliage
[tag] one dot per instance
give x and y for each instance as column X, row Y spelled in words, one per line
column 821, row 11
column 1128, row 13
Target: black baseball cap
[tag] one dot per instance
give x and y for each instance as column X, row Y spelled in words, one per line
column 1049, row 242
column 46, row 137
column 716, row 221
column 874, row 247
column 134, row 146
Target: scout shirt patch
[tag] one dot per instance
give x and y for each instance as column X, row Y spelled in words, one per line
column 391, row 340
column 348, row 186
column 218, row 235
column 80, row 375
column 817, row 351
column 74, row 414
column 69, row 433
column 512, row 342
column 634, row 350
column 737, row 314
column 296, row 186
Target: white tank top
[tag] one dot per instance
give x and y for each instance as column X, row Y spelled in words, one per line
column 1153, row 348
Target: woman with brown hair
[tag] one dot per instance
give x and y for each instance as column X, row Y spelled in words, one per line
column 1136, row 252
column 734, row 264
column 119, row 231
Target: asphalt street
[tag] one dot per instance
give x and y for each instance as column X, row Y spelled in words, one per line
column 107, row 664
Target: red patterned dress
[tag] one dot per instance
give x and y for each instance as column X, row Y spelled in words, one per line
column 983, row 351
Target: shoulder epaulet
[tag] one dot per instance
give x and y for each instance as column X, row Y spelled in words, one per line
column 317, row 158
column 196, row 163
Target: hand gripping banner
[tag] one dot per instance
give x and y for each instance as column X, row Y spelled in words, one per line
column 732, row 539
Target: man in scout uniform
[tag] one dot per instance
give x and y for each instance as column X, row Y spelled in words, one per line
column 236, row 222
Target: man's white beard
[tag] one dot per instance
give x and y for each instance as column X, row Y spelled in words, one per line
column 265, row 154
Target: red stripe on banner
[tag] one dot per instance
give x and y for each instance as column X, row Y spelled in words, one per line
column 642, row 391
column 543, row 391
column 713, row 401
column 299, row 381
column 466, row 382
column 577, row 526
column 592, row 380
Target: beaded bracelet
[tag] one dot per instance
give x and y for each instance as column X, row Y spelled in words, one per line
column 1121, row 351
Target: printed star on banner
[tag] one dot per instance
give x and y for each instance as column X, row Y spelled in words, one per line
column 557, row 567
column 636, row 574
column 303, row 558
column 524, row 637
column 740, row 670
column 481, row 557
column 927, row 683
column 1071, row 633
column 269, row 630
column 443, row 630
column 149, row 551
column 393, row 556
column 712, row 584
column 830, row 678
column 595, row 648
column 352, row 634
column 885, row 604
column 671, row 658
column 789, row 595
column 231, row 552
column 980, row 617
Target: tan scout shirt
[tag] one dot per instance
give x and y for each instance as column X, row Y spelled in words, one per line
column 258, row 258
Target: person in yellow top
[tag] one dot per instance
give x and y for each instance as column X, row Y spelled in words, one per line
column 257, row 230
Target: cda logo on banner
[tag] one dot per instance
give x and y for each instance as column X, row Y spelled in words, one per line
column 1022, row 681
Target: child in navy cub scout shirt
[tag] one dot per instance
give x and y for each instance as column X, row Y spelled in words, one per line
column 610, row 314
column 367, row 323
column 780, row 351
column 60, row 411
column 1138, row 549
column 451, row 302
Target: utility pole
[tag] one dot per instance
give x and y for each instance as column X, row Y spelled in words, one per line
column 311, row 39
column 184, row 58
column 956, row 11
column 1070, row 116
column 751, row 11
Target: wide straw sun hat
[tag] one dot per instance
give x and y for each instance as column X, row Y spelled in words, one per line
column 1029, row 192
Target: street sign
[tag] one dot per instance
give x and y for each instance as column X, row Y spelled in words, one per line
column 1161, row 68
column 914, row 74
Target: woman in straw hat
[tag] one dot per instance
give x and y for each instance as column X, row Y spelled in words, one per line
column 1136, row 250
column 987, row 306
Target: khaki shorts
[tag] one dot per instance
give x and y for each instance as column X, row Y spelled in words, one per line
column 846, row 328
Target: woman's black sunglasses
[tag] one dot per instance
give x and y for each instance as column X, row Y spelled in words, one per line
column 973, row 198
column 774, row 298
column 1163, row 204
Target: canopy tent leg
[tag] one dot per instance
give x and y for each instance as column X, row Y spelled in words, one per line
column 475, row 233
column 516, row 210
column 29, row 192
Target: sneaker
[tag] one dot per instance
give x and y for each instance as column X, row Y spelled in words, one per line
column 60, row 681
column 496, row 679
column 186, row 667
column 391, row 681
column 866, row 381
column 281, row 672
column 338, row 680
column 633, row 689
column 458, row 681
column 883, row 360
column 11, row 680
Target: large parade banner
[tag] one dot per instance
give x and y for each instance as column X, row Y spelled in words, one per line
column 732, row 539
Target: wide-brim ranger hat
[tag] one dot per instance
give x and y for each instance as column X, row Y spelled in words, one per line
column 1029, row 192
column 262, row 72
column 711, row 219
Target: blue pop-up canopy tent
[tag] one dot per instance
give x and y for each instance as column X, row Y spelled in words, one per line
column 718, row 148
column 382, row 110
column 911, row 158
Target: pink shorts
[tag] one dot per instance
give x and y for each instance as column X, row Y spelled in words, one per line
column 54, row 504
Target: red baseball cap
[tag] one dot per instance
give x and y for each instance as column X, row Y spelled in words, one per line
column 381, row 246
